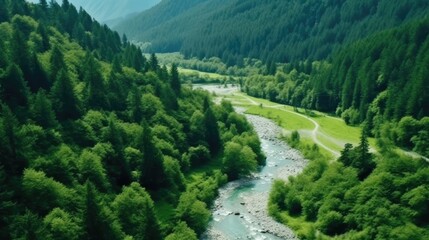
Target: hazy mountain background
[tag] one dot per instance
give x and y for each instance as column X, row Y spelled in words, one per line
column 110, row 11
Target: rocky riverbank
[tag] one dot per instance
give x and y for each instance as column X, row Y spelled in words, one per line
column 249, row 207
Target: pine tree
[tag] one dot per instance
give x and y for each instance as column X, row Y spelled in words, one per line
column 13, row 88
column 364, row 160
column 135, row 105
column 20, row 53
column 96, row 224
column 4, row 13
column 39, row 78
column 117, row 167
column 153, row 63
column 56, row 62
column 152, row 170
column 175, row 81
column 45, row 45
column 42, row 112
column 212, row 131
column 9, row 147
column 66, row 104
column 95, row 88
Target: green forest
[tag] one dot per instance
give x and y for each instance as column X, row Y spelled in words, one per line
column 380, row 81
column 98, row 142
column 101, row 141
column 361, row 196
column 269, row 30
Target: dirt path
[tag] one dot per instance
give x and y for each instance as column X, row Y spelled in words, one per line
column 314, row 132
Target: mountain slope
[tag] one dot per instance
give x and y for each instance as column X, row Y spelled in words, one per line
column 108, row 10
column 266, row 29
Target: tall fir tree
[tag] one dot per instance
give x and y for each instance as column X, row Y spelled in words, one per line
column 175, row 80
column 13, row 88
column 95, row 94
column 66, row 104
column 56, row 62
column 212, row 130
column 4, row 12
column 42, row 111
column 96, row 224
column 153, row 176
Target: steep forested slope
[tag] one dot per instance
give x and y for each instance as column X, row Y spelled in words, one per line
column 107, row 10
column 96, row 141
column 270, row 30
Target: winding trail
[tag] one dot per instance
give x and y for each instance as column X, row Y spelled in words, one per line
column 314, row 132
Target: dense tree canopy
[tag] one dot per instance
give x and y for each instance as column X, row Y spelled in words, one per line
column 95, row 139
column 271, row 30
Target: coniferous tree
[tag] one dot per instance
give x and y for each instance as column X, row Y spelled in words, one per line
column 96, row 224
column 6, row 204
column 364, row 159
column 66, row 104
column 117, row 167
column 20, row 53
column 56, row 62
column 135, row 105
column 4, row 13
column 9, row 148
column 175, row 81
column 152, row 170
column 153, row 63
column 13, row 88
column 95, row 88
column 42, row 112
column 45, row 45
column 212, row 131
column 39, row 78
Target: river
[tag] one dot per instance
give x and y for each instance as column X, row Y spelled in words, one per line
column 240, row 211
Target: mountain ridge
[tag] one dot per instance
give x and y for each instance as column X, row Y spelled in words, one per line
column 276, row 30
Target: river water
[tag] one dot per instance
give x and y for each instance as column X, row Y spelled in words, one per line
column 240, row 211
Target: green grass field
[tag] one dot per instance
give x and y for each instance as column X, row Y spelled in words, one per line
column 286, row 120
column 333, row 132
column 204, row 75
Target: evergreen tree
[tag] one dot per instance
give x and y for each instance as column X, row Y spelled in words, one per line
column 45, row 44
column 56, row 62
column 152, row 170
column 347, row 155
column 9, row 148
column 135, row 105
column 212, row 131
column 117, row 167
column 95, row 88
column 175, row 81
column 42, row 112
column 364, row 160
column 4, row 13
column 96, row 224
column 13, row 88
column 6, row 203
column 39, row 78
column 18, row 7
column 66, row 104
column 20, row 52
column 153, row 63
column 124, row 39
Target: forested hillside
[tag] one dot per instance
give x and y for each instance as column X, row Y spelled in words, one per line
column 382, row 79
column 97, row 142
column 107, row 10
column 270, row 30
